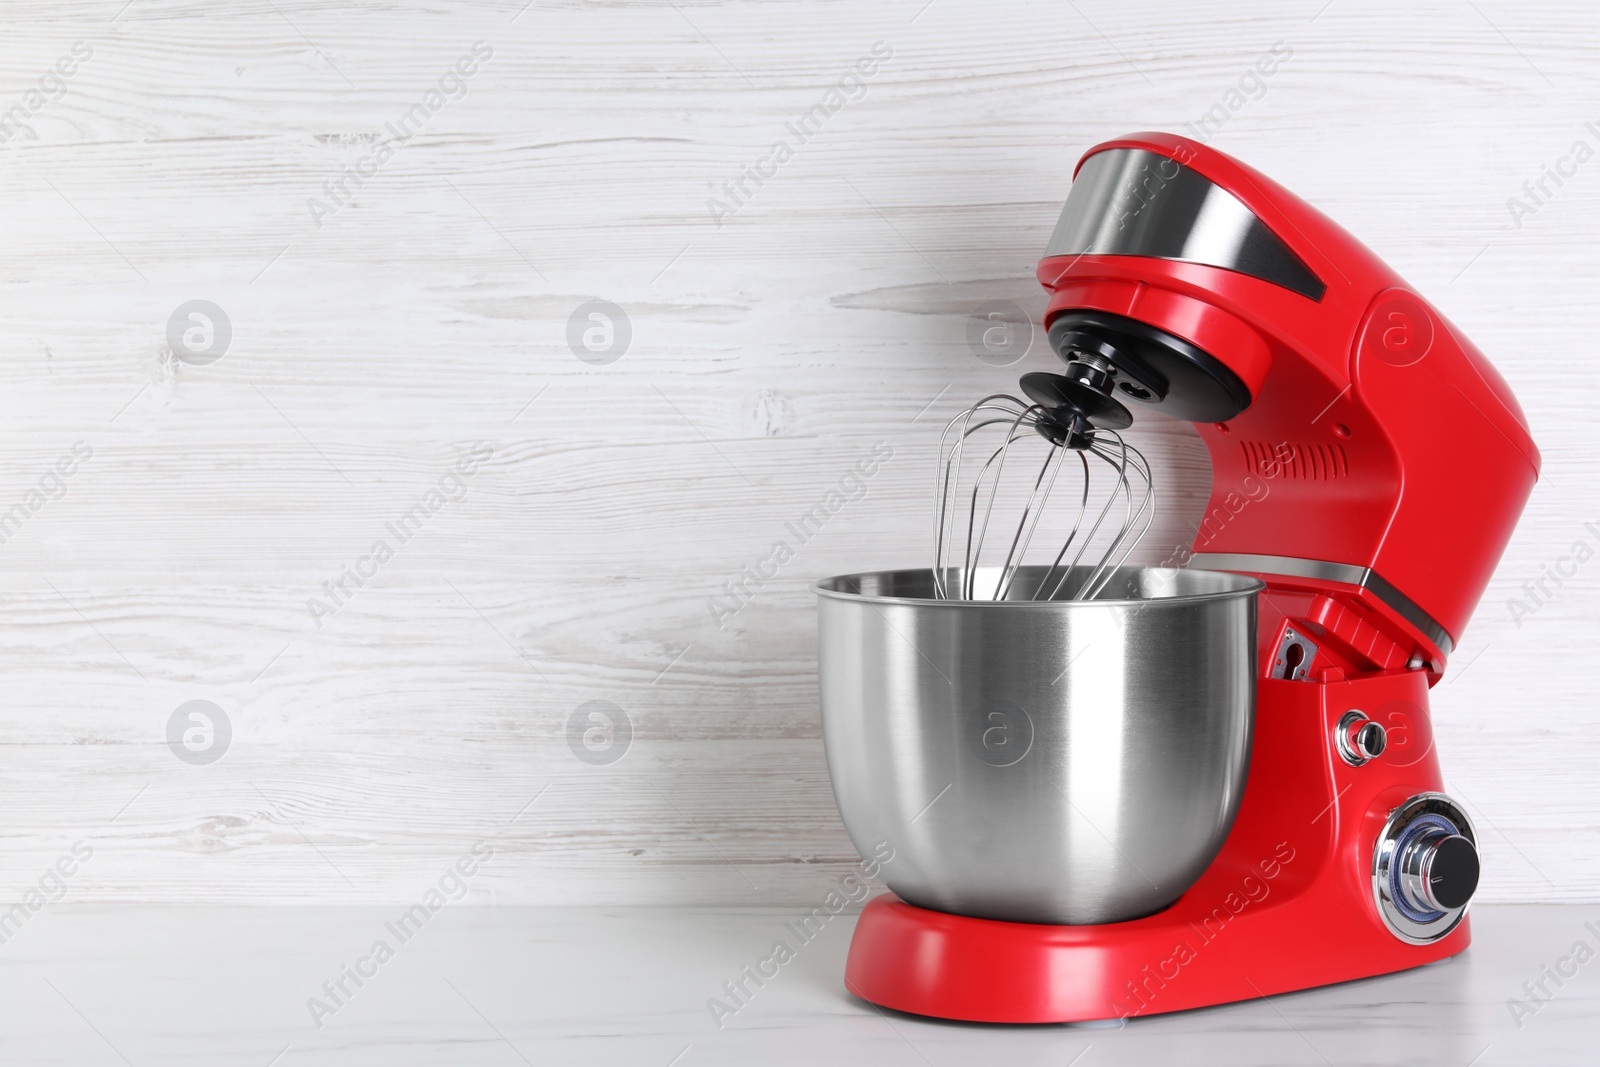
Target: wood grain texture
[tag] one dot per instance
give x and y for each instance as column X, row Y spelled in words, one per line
column 769, row 353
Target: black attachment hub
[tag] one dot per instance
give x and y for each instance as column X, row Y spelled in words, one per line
column 1074, row 404
column 1150, row 365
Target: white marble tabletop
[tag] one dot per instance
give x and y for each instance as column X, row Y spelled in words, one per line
column 90, row 985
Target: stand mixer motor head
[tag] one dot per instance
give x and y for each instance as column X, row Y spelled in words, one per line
column 1183, row 281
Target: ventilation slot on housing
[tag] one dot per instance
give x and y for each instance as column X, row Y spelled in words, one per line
column 1301, row 462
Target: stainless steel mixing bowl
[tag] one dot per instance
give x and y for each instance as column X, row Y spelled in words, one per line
column 1047, row 762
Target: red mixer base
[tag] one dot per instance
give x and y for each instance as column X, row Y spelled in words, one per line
column 1287, row 904
column 953, row 967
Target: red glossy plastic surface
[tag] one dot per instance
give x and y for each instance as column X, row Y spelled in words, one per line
column 1378, row 437
column 1288, row 903
column 1390, row 441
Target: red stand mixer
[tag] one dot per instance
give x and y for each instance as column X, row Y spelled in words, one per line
column 1398, row 463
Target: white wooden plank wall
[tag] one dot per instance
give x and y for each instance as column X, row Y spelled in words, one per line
column 768, row 354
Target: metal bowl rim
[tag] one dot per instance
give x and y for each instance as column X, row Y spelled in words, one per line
column 1247, row 586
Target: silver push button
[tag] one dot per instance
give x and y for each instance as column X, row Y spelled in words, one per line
column 1359, row 739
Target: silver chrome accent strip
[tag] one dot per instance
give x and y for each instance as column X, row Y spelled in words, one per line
column 1135, row 202
column 1322, row 570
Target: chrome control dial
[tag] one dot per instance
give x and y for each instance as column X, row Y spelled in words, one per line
column 1439, row 871
column 1359, row 739
column 1425, row 868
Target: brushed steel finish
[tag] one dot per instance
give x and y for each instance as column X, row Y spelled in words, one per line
column 1134, row 202
column 1064, row 762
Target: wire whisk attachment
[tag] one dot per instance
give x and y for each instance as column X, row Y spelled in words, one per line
column 1076, row 425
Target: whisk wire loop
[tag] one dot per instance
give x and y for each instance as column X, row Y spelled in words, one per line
column 997, row 425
